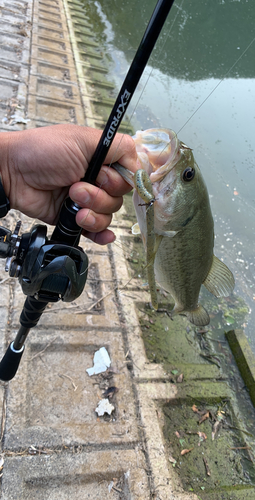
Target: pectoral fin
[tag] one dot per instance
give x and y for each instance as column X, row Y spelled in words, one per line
column 219, row 281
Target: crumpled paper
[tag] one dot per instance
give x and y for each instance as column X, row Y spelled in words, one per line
column 101, row 362
column 104, row 406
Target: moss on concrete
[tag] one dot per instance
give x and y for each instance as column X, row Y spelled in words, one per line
column 212, row 464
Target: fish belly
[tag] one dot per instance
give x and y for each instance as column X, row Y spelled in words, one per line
column 181, row 265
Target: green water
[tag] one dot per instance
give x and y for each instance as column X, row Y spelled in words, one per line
column 189, row 86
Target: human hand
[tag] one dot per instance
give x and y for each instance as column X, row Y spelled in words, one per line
column 39, row 165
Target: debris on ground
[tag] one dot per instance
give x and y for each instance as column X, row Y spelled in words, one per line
column 17, row 118
column 204, row 417
column 202, row 437
column 208, row 473
column 184, row 452
column 179, row 379
column 101, row 362
column 172, row 460
column 219, row 420
column 104, row 406
column 108, row 393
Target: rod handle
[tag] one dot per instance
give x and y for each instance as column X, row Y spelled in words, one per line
column 10, row 363
column 31, row 312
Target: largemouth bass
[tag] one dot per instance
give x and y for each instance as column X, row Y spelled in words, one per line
column 176, row 223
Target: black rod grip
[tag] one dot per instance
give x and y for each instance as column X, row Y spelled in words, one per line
column 66, row 230
column 31, row 312
column 10, row 363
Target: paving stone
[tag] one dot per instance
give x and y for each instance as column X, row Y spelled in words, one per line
column 3, row 341
column 53, row 7
column 50, row 111
column 50, row 33
column 52, row 399
column 43, row 20
column 52, row 43
column 83, row 475
column 10, row 15
column 57, row 72
column 8, row 89
column 9, row 69
column 244, row 357
column 5, row 298
column 51, row 56
column 54, row 90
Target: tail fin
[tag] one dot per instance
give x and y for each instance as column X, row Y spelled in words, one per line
column 198, row 316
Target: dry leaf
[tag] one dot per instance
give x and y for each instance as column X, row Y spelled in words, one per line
column 184, row 452
column 202, row 437
column 204, row 417
column 215, row 429
column 194, row 408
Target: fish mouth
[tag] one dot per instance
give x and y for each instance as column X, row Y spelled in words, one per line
column 162, row 148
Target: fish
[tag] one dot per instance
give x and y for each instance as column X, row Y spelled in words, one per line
column 176, row 223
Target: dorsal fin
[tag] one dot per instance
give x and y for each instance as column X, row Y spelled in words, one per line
column 219, row 281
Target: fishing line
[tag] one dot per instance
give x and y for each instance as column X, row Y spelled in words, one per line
column 212, row 91
column 216, row 86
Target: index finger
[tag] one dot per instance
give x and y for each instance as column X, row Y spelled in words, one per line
column 123, row 151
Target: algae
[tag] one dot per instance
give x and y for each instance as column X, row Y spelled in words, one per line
column 211, row 464
column 191, row 356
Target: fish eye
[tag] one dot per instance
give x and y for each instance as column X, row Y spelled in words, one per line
column 188, row 174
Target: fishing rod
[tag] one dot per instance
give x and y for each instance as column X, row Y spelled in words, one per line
column 56, row 268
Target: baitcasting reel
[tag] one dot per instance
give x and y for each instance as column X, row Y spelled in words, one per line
column 48, row 271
